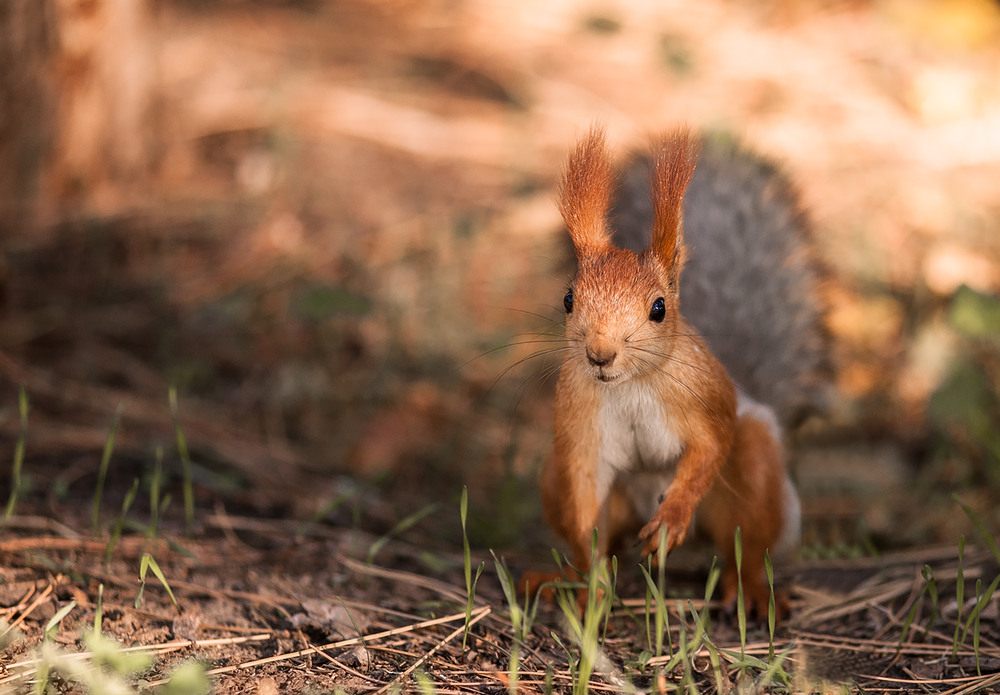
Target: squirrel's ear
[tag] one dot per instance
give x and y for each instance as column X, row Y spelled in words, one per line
column 585, row 194
column 674, row 158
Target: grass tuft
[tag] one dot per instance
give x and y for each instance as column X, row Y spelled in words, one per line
column 102, row 471
column 149, row 563
column 741, row 612
column 928, row 588
column 182, row 450
column 521, row 619
column 99, row 610
column 772, row 611
column 470, row 581
column 400, row 527
column 959, row 595
column 328, row 508
column 656, row 591
column 52, row 626
column 15, row 476
column 116, row 531
column 156, row 504
column 980, row 526
column 586, row 630
column 982, row 601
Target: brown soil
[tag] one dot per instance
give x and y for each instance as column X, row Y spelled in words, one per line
column 330, row 227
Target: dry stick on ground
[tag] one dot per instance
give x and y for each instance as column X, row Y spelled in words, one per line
column 479, row 615
column 128, row 546
column 34, row 604
column 858, row 644
column 344, row 643
column 341, row 665
column 966, row 683
column 39, row 523
column 22, row 602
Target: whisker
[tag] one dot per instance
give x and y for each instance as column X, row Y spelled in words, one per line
column 522, row 391
column 541, row 339
column 710, row 410
column 550, row 319
column 670, row 357
column 538, row 353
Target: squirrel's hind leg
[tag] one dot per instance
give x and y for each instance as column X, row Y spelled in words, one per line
column 752, row 493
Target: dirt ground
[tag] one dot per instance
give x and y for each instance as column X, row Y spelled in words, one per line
column 269, row 604
column 329, row 228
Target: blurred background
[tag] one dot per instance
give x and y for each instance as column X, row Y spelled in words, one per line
column 329, row 224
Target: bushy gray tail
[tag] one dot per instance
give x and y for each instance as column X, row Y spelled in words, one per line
column 752, row 284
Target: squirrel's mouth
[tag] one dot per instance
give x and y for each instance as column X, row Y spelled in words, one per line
column 607, row 377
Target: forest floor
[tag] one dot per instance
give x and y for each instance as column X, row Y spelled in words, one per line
column 266, row 603
column 341, row 266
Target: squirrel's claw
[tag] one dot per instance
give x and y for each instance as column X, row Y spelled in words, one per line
column 674, row 519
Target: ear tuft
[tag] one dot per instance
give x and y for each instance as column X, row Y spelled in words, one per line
column 585, row 194
column 674, row 158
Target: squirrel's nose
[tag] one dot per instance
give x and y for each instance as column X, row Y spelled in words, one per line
column 601, row 357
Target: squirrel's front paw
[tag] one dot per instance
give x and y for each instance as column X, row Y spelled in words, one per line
column 675, row 518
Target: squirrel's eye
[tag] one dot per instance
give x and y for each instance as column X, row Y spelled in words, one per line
column 659, row 310
column 568, row 302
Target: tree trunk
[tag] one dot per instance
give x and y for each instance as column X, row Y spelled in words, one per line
column 27, row 105
column 78, row 116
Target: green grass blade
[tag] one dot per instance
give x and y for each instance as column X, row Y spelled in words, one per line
column 400, row 527
column 661, row 611
column 713, row 657
column 910, row 616
column 775, row 671
column 741, row 613
column 470, row 582
column 982, row 601
column 510, row 593
column 975, row 644
column 599, row 596
column 99, row 610
column 569, row 656
column 143, row 568
column 182, row 450
column 148, row 562
column 189, row 678
column 53, row 625
column 155, row 502
column 684, row 654
column 714, row 573
column 928, row 574
column 980, row 526
column 772, row 610
column 102, row 471
column 649, row 599
column 328, row 508
column 15, row 477
column 701, row 621
column 959, row 595
column 610, row 594
column 116, row 532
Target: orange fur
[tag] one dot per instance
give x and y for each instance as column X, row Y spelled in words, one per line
column 747, row 495
column 642, row 384
column 585, row 193
column 674, row 159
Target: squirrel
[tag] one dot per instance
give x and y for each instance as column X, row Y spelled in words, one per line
column 662, row 416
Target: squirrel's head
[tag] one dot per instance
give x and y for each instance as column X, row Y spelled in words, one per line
column 622, row 307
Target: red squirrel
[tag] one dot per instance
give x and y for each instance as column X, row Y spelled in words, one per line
column 651, row 432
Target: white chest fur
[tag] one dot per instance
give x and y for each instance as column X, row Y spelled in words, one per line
column 635, row 434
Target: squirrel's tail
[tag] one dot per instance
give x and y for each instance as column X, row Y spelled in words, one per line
column 752, row 283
